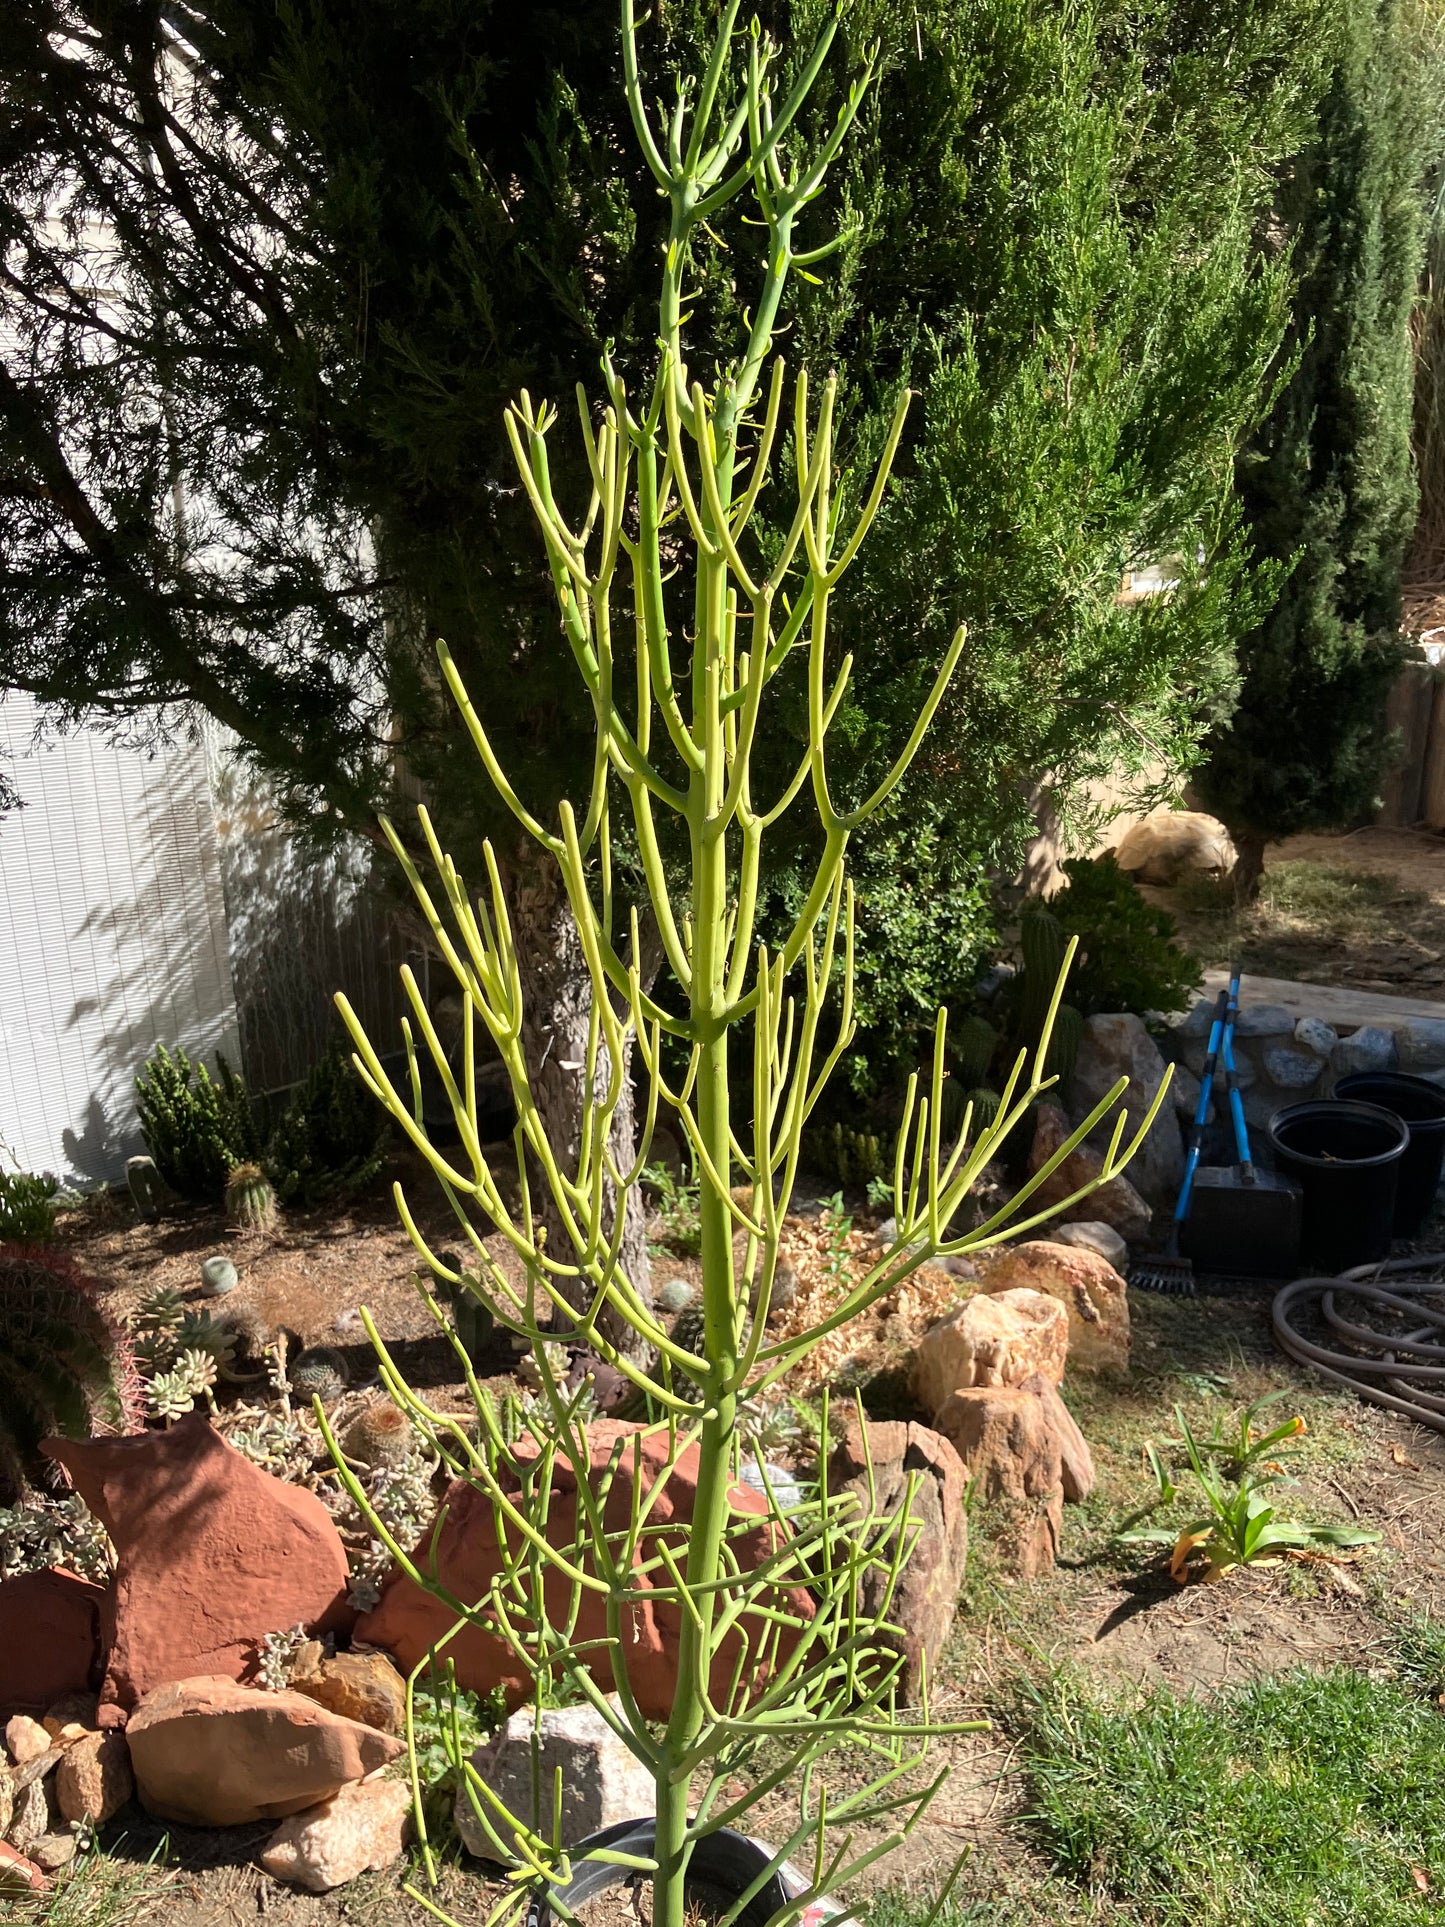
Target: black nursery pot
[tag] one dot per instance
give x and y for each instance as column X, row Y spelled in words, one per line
column 1422, row 1106
column 726, row 1861
column 1346, row 1158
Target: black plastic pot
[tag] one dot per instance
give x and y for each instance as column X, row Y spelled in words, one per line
column 1346, row 1159
column 725, row 1860
column 1422, row 1105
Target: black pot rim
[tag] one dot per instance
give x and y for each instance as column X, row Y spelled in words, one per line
column 724, row 1858
column 1401, row 1083
column 1327, row 1107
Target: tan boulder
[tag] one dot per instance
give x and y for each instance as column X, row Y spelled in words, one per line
column 210, row 1753
column 1169, row 844
column 994, row 1339
column 1094, row 1297
column 25, row 1739
column 1004, row 1436
column 358, row 1686
column 212, row 1554
column 926, row 1595
column 7, row 1799
column 464, row 1557
column 94, row 1781
column 359, row 1829
column 1076, row 1461
column 1116, row 1203
column 33, row 1816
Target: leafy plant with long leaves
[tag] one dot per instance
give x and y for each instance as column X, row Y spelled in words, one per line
column 1237, row 1467
column 680, row 625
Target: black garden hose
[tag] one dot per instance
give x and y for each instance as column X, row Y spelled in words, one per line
column 1402, row 1371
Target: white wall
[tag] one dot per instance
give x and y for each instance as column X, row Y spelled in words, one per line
column 112, row 939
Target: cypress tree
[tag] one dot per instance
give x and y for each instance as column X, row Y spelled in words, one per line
column 1327, row 485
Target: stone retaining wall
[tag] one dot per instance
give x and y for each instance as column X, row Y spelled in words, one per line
column 1282, row 1059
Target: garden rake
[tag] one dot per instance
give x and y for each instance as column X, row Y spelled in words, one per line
column 1167, row 1270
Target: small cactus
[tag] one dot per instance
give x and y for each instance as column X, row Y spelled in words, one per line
column 218, row 1276
column 249, row 1328
column 319, row 1372
column 380, row 1434
column 250, row 1200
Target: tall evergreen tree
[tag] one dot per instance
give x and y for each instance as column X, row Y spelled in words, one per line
column 1327, row 485
column 252, row 450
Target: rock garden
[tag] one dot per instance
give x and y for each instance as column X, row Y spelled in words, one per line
column 796, row 1372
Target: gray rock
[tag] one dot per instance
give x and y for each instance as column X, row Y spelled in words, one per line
column 1102, row 1238
column 1197, row 1023
column 676, row 1295
column 1313, row 1033
column 887, row 1233
column 1260, row 1106
column 787, row 1492
column 1371, row 1048
column 1421, row 1044
column 1292, row 1070
column 602, row 1782
column 963, row 1268
column 1115, row 1046
column 1264, row 1020
column 1244, row 1071
column 1185, row 1092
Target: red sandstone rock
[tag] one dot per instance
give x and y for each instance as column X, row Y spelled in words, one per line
column 212, row 1554
column 19, row 1875
column 210, row 1753
column 49, row 1639
column 408, row 1621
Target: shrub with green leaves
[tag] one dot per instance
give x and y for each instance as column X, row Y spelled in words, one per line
column 330, row 1140
column 1127, row 957
column 196, row 1129
column 28, row 1205
column 65, row 1368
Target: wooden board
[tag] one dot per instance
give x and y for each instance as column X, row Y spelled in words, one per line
column 1337, row 1004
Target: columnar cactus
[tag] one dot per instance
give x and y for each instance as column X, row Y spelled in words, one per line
column 250, row 1200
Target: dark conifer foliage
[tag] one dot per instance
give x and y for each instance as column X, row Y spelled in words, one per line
column 1327, row 485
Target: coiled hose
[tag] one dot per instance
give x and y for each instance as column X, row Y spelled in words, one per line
column 1403, row 1371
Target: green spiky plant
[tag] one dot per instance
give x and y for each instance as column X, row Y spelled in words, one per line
column 250, row 1199
column 329, row 1141
column 763, row 1687
column 65, row 1369
column 196, row 1129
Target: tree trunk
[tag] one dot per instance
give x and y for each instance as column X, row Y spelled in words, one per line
column 556, row 1004
column 1249, row 848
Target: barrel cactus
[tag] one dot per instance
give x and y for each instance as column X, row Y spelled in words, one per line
column 250, row 1200
column 66, row 1368
column 380, row 1434
column 320, row 1372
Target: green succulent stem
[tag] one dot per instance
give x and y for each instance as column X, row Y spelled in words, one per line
column 678, row 662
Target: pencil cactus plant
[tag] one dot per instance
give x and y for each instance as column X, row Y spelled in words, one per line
column 681, row 623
